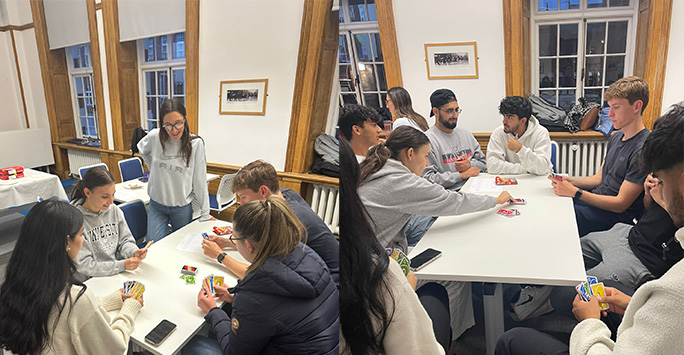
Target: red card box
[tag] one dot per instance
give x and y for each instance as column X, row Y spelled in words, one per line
column 12, row 172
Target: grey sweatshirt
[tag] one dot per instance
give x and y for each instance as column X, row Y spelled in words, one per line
column 106, row 242
column 534, row 157
column 445, row 149
column 393, row 195
column 171, row 182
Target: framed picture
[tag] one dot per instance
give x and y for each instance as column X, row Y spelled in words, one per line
column 451, row 60
column 243, row 97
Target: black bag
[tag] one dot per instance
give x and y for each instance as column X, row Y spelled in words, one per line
column 549, row 116
column 138, row 134
column 327, row 156
column 323, row 167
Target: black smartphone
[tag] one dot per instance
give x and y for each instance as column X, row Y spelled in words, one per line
column 160, row 332
column 424, row 258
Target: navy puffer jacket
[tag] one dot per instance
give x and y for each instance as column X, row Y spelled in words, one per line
column 288, row 305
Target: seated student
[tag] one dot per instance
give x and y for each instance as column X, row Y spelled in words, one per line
column 455, row 154
column 614, row 194
column 653, row 317
column 521, row 145
column 257, row 181
column 109, row 247
column 361, row 126
column 286, row 304
column 379, row 310
column 398, row 102
column 44, row 309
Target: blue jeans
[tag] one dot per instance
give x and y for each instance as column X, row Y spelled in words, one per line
column 160, row 216
column 593, row 219
column 417, row 228
column 200, row 345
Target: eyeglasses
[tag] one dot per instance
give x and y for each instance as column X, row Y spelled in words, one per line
column 452, row 111
column 177, row 125
column 233, row 239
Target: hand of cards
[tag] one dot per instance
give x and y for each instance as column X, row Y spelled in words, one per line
column 401, row 258
column 223, row 230
column 508, row 212
column 505, row 181
column 592, row 288
column 211, row 281
column 556, row 176
column 134, row 288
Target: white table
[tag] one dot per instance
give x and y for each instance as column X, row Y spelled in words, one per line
column 541, row 246
column 27, row 189
column 126, row 194
column 167, row 296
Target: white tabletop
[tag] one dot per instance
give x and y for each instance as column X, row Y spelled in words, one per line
column 27, row 189
column 540, row 246
column 167, row 296
column 128, row 191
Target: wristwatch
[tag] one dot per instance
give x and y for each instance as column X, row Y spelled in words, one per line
column 220, row 257
column 578, row 195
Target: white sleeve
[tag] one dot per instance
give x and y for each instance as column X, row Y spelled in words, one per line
column 537, row 159
column 199, row 180
column 496, row 155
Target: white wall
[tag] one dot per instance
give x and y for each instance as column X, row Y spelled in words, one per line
column 12, row 116
column 674, row 85
column 27, row 52
column 248, row 40
column 445, row 21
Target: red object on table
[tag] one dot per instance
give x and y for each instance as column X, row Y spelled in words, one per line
column 12, row 172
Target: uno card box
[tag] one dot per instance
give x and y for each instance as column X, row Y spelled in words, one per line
column 189, row 270
column 12, row 172
column 505, row 181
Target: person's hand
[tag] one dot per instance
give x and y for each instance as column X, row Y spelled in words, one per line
column 462, row 165
column 472, row 171
column 212, row 218
column 125, row 296
column 649, row 184
column 221, row 241
column 205, row 301
column 617, row 301
column 140, row 253
column 563, row 187
column 653, row 189
column 513, row 145
column 210, row 248
column 412, row 279
column 132, row 263
column 503, row 198
column 585, row 310
column 224, row 295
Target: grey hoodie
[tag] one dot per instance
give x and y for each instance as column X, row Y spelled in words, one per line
column 445, row 149
column 106, row 242
column 393, row 195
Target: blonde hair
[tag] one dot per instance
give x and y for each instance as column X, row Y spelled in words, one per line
column 270, row 226
column 254, row 175
column 632, row 88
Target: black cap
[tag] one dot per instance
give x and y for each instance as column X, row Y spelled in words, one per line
column 440, row 98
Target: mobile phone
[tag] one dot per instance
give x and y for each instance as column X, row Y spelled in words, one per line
column 160, row 332
column 427, row 256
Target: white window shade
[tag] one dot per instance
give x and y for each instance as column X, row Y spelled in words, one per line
column 143, row 19
column 67, row 22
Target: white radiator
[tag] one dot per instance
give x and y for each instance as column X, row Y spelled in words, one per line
column 581, row 158
column 79, row 158
column 326, row 204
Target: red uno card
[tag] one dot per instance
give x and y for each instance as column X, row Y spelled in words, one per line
column 518, row 201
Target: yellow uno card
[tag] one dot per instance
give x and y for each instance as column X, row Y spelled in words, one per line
column 218, row 281
column 599, row 291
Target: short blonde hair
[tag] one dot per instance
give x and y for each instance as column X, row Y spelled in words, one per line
column 632, row 88
column 254, row 175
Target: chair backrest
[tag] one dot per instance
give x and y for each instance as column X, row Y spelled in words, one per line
column 130, row 168
column 82, row 170
column 554, row 155
column 136, row 218
column 224, row 195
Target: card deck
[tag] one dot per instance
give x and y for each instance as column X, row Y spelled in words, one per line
column 133, row 288
column 505, row 181
column 223, row 230
column 189, row 270
column 592, row 287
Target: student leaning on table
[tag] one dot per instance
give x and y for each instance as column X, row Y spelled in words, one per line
column 286, row 304
column 43, row 308
column 178, row 171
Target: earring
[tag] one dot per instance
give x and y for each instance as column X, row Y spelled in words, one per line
column 68, row 248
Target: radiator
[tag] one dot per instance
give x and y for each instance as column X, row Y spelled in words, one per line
column 79, row 158
column 581, row 158
column 325, row 202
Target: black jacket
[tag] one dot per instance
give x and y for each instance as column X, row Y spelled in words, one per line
column 287, row 306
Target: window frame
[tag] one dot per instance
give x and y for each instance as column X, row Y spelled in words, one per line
column 75, row 73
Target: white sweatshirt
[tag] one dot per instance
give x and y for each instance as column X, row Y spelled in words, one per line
column 534, row 157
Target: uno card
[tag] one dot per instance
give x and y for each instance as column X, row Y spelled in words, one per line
column 582, row 292
column 591, row 280
column 207, row 285
column 148, row 244
column 508, row 212
column 217, row 281
column 556, row 176
column 223, row 230
column 401, row 258
column 518, row 201
column 127, row 286
column 205, row 235
column 599, row 291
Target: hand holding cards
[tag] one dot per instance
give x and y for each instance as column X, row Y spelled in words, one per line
column 134, row 288
column 211, row 281
column 592, row 288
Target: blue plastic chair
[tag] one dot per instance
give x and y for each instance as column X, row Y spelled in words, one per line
column 136, row 218
column 82, row 170
column 554, row 155
column 130, row 168
column 224, row 197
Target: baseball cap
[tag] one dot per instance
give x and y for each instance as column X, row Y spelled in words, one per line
column 441, row 97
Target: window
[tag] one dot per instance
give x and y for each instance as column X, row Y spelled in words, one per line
column 162, row 73
column 83, row 91
column 362, row 70
column 581, row 47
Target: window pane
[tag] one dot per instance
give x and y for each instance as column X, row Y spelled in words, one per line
column 548, row 5
column 566, row 99
column 548, row 96
column 372, row 16
column 345, row 71
column 596, row 35
column 163, row 80
column 349, row 99
column 149, row 49
column 363, row 51
column 179, row 82
column 594, row 74
column 151, row 125
column 568, row 68
column 341, row 15
column 161, row 50
column 160, row 101
column 344, row 51
column 372, row 100
column 82, row 55
column 86, row 86
column 79, row 85
column 568, row 39
column 150, row 83
column 547, row 73
column 89, row 107
column 74, row 57
column 593, row 95
column 182, row 99
column 569, row 4
column 81, row 107
column 377, row 48
column 86, row 55
column 380, row 70
column 619, row 3
column 597, row 3
column 547, row 40
column 615, row 68
column 617, row 37
column 93, row 131
column 367, row 77
column 179, row 45
column 357, row 11
column 84, row 128
column 151, row 108
column 91, row 122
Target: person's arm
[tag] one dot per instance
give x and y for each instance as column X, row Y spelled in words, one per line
column 212, row 250
column 478, row 160
column 652, row 192
column 126, row 246
column 145, row 148
column 536, row 160
column 496, row 156
column 446, row 179
column 87, row 265
column 586, row 183
column 627, row 194
column 255, row 327
column 199, row 180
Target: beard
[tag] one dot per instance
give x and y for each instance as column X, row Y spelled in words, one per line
column 446, row 122
column 676, row 209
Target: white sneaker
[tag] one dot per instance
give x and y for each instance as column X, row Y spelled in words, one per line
column 533, row 302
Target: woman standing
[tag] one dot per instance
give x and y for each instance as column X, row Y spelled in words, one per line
column 399, row 103
column 178, row 171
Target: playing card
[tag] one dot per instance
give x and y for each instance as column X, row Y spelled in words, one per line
column 518, row 201
column 591, row 280
column 582, row 292
column 218, row 281
column 402, row 259
column 205, row 235
column 599, row 291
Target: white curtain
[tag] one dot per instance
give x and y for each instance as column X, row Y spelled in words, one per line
column 141, row 19
column 67, row 22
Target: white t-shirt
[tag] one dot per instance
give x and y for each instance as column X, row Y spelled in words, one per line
column 405, row 121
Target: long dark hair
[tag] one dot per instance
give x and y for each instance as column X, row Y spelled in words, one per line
column 95, row 177
column 176, row 105
column 403, row 137
column 39, row 270
column 363, row 264
column 404, row 108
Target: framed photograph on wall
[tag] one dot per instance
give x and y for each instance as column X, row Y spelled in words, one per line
column 243, row 97
column 451, row 60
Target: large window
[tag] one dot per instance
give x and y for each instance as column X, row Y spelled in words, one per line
column 83, row 91
column 581, row 47
column 162, row 73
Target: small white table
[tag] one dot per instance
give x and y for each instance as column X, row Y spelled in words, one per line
column 124, row 192
column 27, row 189
column 541, row 246
column 167, row 296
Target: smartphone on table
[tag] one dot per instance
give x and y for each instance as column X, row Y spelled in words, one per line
column 427, row 256
column 157, row 335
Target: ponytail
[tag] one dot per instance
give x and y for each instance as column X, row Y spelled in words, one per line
column 403, row 137
column 375, row 160
column 95, row 177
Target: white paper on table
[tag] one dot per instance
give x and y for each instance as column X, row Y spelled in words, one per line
column 485, row 185
column 192, row 243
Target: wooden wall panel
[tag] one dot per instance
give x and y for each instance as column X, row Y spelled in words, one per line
column 97, row 73
column 515, row 46
column 641, row 38
column 659, row 19
column 388, row 40
column 129, row 91
column 192, row 20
